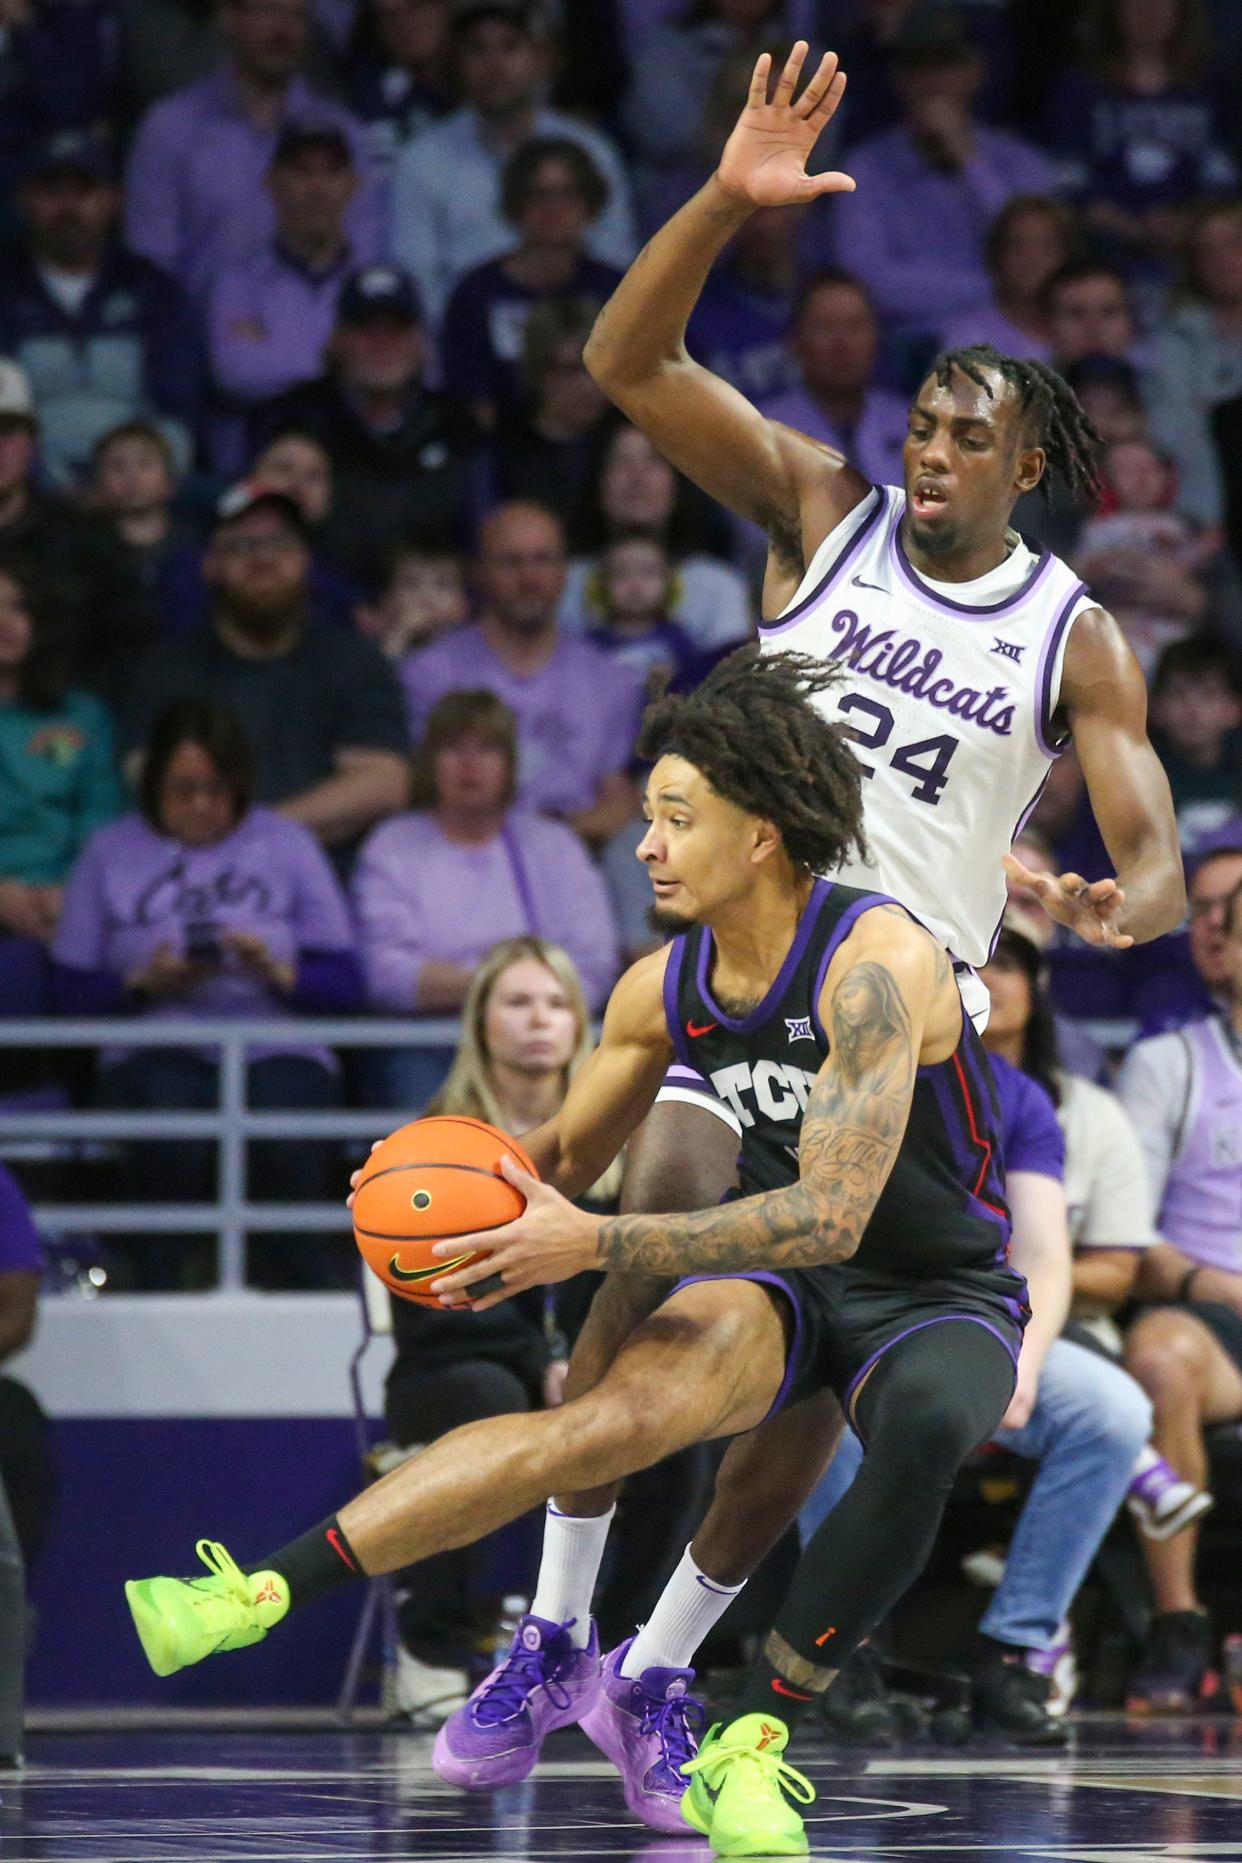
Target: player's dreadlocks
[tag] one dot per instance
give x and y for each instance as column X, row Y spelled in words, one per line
column 1049, row 405
column 753, row 730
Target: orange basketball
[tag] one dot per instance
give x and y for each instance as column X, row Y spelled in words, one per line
column 426, row 1182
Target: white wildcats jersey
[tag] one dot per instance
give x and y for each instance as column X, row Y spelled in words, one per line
column 950, row 704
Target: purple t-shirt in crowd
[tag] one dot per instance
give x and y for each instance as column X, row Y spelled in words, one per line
column 987, row 323
column 743, row 335
column 873, row 444
column 196, row 194
column 417, row 895
column 1138, row 152
column 915, row 234
column 20, row 1252
column 577, row 717
column 485, row 324
column 135, row 889
column 1030, row 1130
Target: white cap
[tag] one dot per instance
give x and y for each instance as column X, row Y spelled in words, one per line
column 15, row 395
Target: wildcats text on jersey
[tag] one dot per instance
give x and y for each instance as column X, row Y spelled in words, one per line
column 950, row 694
column 909, row 665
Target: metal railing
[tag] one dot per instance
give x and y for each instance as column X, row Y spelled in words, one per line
column 231, row 1124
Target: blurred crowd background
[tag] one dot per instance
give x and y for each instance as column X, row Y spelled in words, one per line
column 331, row 588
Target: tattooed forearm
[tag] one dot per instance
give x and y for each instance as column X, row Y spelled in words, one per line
column 851, row 1132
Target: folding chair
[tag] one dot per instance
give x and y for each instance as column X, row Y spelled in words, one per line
column 380, row 1606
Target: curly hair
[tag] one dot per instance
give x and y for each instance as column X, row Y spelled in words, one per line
column 1049, row 407
column 754, row 731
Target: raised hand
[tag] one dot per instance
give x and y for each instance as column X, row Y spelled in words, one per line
column 765, row 158
column 1091, row 909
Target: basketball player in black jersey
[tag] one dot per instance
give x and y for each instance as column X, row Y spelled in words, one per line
column 864, row 1249
column 984, row 429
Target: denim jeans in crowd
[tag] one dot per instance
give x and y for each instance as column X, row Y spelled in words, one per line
column 1089, row 1423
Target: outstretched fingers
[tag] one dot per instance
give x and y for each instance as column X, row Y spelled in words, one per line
column 820, row 84
column 826, row 109
column 788, row 80
column 758, row 94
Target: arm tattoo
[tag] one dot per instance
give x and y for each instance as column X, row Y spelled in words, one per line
column 851, row 1133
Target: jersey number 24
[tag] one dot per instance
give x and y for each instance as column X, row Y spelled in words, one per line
column 927, row 760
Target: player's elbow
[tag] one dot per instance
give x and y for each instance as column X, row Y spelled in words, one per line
column 832, row 1241
column 623, row 364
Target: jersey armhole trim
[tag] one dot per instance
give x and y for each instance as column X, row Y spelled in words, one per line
column 848, row 550
column 672, row 982
column 1044, row 706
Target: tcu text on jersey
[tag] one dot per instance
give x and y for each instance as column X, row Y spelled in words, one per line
column 777, row 1089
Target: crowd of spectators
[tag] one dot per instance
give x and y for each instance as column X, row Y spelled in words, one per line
column 331, row 587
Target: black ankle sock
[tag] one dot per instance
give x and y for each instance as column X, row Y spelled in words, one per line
column 319, row 1562
column 767, row 1692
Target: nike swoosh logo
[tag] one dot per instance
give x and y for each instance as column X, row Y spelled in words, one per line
column 334, row 1540
column 408, row 1275
column 860, row 584
column 705, row 1028
column 793, row 1694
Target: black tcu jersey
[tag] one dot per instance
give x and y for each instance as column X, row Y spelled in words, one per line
column 943, row 1208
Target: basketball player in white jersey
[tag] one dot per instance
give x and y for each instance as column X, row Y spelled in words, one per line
column 972, row 661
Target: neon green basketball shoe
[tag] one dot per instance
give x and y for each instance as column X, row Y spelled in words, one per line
column 182, row 1620
column 740, row 1790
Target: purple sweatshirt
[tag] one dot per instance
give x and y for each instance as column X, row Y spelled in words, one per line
column 134, row 889
column 577, row 717
column 196, row 192
column 914, row 234
column 417, row 896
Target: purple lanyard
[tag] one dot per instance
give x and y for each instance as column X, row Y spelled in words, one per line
column 520, row 880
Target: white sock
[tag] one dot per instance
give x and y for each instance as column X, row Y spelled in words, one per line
column 573, row 1547
column 688, row 1607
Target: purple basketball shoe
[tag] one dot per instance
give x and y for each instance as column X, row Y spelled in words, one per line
column 648, row 1727
column 542, row 1684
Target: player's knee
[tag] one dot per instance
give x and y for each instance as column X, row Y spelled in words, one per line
column 610, row 1434
column 922, row 1435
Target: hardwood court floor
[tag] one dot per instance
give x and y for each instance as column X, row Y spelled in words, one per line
column 1125, row 1792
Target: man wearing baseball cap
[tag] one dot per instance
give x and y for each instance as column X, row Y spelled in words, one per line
column 403, row 455
column 270, row 316
column 103, row 334
column 320, row 704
